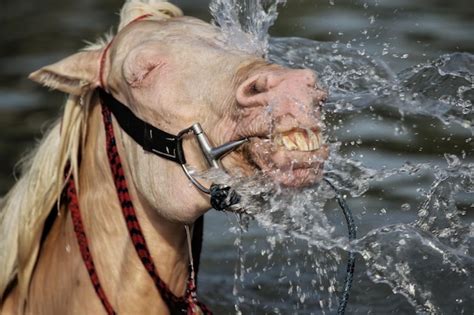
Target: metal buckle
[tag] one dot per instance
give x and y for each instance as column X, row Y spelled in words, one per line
column 221, row 196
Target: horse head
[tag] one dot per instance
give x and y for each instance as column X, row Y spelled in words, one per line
column 174, row 72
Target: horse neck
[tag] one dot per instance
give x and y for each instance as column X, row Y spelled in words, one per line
column 109, row 239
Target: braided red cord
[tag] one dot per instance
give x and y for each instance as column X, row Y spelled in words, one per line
column 84, row 244
column 175, row 304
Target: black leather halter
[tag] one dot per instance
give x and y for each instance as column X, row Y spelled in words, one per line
column 152, row 139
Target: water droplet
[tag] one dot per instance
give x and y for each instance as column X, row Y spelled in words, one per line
column 405, row 207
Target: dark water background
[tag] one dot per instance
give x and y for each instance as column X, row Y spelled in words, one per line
column 402, row 33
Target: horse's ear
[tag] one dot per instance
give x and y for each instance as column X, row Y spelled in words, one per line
column 74, row 74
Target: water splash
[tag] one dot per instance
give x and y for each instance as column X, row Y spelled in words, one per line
column 442, row 88
column 416, row 259
column 425, row 256
column 245, row 23
column 413, row 259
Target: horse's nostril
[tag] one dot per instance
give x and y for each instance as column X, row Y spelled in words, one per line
column 260, row 85
column 252, row 92
column 252, row 89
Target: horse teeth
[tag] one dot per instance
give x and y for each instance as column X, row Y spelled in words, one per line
column 278, row 140
column 304, row 141
column 314, row 140
column 289, row 144
column 301, row 142
column 320, row 140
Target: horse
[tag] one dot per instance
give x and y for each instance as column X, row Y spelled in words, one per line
column 106, row 216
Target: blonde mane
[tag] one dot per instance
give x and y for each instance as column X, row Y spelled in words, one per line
column 24, row 210
column 27, row 205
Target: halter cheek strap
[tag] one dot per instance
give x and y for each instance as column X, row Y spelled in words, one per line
column 103, row 58
column 150, row 138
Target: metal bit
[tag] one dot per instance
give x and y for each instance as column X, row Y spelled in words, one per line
column 214, row 154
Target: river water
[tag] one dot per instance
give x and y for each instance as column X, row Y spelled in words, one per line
column 400, row 123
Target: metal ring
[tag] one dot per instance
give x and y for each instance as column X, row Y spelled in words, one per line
column 195, row 181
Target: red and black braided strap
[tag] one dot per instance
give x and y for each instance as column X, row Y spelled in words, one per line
column 83, row 243
column 176, row 305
